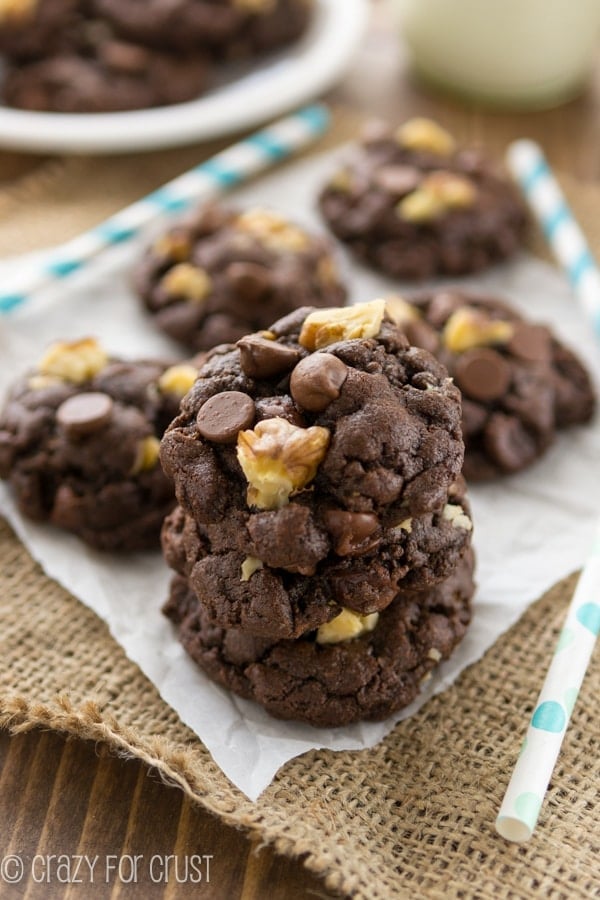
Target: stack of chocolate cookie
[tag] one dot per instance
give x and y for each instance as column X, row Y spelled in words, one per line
column 109, row 55
column 322, row 539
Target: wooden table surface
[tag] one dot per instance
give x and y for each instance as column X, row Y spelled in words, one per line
column 71, row 799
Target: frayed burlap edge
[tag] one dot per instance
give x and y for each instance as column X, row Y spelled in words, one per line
column 413, row 817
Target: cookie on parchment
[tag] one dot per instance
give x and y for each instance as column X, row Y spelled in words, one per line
column 79, row 440
column 223, row 273
column 518, row 380
column 412, row 204
column 353, row 668
column 317, row 463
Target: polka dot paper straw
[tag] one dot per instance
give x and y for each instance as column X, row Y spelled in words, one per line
column 525, row 793
column 227, row 169
column 528, row 165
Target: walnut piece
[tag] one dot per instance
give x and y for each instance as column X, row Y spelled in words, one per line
column 437, row 194
column 346, row 626
column 326, row 326
column 272, row 230
column 466, row 328
column 178, row 379
column 425, row 134
column 75, row 361
column 17, row 9
column 279, row 458
column 250, row 565
column 187, row 281
column 147, row 455
column 174, row 245
column 453, row 512
column 400, row 311
column 258, row 7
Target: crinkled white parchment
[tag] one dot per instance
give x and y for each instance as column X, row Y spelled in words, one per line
column 530, row 530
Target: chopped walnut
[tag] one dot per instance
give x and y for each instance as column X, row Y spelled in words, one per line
column 434, row 654
column 405, row 525
column 278, row 459
column 425, row 134
column 175, row 246
column 75, row 361
column 272, row 230
column 147, row 455
column 326, row 326
column 400, row 311
column 341, row 181
column 178, row 379
column 454, row 513
column 250, row 565
column 346, row 626
column 41, row 382
column 17, row 9
column 258, row 7
column 466, row 328
column 437, row 194
column 187, row 281
column 327, row 272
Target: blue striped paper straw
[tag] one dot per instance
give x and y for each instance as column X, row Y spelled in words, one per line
column 530, row 168
column 226, row 170
column 531, row 776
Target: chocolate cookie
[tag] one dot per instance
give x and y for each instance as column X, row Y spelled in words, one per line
column 519, row 382
column 221, row 274
column 79, row 440
column 32, row 28
column 351, row 669
column 412, row 204
column 224, row 28
column 101, row 74
column 263, row 573
column 317, row 463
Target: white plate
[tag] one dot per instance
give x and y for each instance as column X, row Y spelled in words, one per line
column 286, row 80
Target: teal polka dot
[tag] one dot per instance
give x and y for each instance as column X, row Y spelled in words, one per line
column 567, row 636
column 549, row 716
column 528, row 807
column 570, row 698
column 589, row 616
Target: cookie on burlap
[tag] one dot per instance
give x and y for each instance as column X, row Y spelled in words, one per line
column 318, row 464
column 225, row 28
column 353, row 668
column 519, row 382
column 79, row 440
column 221, row 274
column 97, row 73
column 412, row 204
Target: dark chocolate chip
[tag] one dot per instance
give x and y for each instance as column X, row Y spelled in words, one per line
column 531, row 342
column 397, row 180
column 249, row 280
column 85, row 413
column 483, row 374
column 261, row 358
column 222, row 417
column 421, row 334
column 350, row 531
column 317, row 380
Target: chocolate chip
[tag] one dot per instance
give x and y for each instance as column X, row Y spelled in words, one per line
column 350, row 531
column 483, row 374
column 261, row 358
column 85, row 413
column 249, row 280
column 222, row 417
column 397, row 180
column 443, row 304
column 421, row 334
column 531, row 342
column 317, row 380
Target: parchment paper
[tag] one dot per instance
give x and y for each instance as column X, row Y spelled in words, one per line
column 530, row 530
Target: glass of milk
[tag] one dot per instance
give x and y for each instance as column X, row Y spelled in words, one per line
column 511, row 53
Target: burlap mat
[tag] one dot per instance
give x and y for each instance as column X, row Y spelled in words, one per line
column 412, row 818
